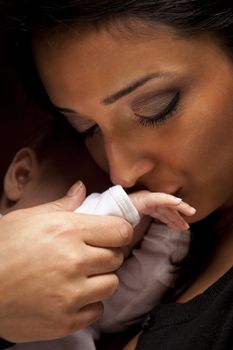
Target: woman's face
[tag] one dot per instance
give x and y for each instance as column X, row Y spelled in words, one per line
column 158, row 106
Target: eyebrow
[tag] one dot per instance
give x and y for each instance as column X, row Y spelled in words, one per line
column 123, row 92
column 135, row 85
column 63, row 109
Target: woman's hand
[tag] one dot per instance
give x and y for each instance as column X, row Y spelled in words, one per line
column 56, row 267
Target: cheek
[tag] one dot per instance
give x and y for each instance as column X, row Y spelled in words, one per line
column 208, row 156
column 202, row 134
column 96, row 148
column 44, row 192
column 212, row 141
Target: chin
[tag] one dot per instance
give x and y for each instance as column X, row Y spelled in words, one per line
column 203, row 209
column 201, row 214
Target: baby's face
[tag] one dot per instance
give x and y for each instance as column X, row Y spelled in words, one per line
column 52, row 177
column 59, row 180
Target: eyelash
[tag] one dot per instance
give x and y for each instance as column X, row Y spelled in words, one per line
column 162, row 116
column 89, row 133
column 152, row 121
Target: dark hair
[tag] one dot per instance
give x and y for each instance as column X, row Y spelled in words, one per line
column 188, row 17
column 52, row 135
column 191, row 16
column 54, row 143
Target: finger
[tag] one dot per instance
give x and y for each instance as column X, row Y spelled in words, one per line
column 146, row 201
column 73, row 199
column 85, row 316
column 103, row 260
column 161, row 219
column 182, row 207
column 173, row 218
column 185, row 209
column 167, row 221
column 98, row 288
column 106, row 231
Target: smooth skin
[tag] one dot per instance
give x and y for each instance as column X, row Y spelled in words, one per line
column 180, row 155
column 116, row 84
column 30, row 181
column 57, row 268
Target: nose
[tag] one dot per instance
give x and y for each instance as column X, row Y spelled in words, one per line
column 127, row 163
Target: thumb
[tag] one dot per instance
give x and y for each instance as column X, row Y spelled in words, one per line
column 72, row 200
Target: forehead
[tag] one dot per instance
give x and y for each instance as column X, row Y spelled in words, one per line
column 98, row 62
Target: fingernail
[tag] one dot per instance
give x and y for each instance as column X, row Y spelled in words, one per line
column 178, row 199
column 193, row 210
column 75, row 189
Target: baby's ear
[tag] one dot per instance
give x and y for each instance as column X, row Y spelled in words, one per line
column 19, row 174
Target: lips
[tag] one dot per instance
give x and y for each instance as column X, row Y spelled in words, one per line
column 177, row 193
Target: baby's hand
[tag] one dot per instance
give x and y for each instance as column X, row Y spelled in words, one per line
column 162, row 206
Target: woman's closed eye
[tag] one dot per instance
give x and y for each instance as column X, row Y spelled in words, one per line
column 149, row 110
column 84, row 126
column 90, row 132
column 152, row 110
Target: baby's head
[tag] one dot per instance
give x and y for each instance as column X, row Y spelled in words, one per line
column 45, row 169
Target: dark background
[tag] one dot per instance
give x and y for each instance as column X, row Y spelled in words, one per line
column 20, row 114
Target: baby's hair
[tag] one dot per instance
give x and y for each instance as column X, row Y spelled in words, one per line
column 57, row 145
column 52, row 134
column 62, row 155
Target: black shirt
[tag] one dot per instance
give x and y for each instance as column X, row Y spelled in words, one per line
column 4, row 344
column 203, row 323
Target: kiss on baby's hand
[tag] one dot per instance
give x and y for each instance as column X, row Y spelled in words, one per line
column 164, row 207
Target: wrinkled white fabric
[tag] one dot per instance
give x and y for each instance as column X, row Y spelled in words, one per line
column 144, row 277
column 114, row 202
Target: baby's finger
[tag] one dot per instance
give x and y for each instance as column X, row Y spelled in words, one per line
column 146, row 201
column 162, row 199
column 185, row 209
column 176, row 203
column 168, row 222
column 152, row 200
column 172, row 218
column 178, row 219
column 164, row 220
